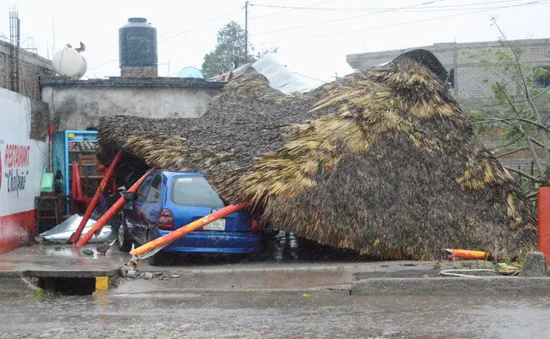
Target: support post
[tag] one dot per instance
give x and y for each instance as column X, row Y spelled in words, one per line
column 110, row 212
column 191, row 227
column 543, row 216
column 76, row 235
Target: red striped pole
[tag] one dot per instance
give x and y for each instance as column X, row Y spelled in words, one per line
column 191, row 227
column 76, row 235
column 110, row 212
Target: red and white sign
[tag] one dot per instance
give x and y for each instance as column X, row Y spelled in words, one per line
column 22, row 162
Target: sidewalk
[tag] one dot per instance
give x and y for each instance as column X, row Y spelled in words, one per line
column 259, row 276
column 60, row 261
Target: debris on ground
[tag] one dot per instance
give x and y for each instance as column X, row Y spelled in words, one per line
column 507, row 269
column 103, row 247
column 124, row 270
column 466, row 254
column 384, row 162
column 61, row 233
column 131, row 274
column 87, row 251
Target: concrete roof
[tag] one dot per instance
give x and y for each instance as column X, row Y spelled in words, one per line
column 134, row 82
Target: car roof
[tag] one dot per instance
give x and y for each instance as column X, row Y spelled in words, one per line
column 170, row 174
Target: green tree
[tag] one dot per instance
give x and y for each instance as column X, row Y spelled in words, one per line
column 519, row 99
column 229, row 52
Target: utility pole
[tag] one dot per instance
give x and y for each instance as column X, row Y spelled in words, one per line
column 246, row 32
column 53, row 34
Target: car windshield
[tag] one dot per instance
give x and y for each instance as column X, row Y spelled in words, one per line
column 194, row 191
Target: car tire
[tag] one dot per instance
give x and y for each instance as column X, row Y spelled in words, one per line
column 160, row 257
column 124, row 241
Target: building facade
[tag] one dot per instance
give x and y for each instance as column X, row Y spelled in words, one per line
column 469, row 83
column 79, row 104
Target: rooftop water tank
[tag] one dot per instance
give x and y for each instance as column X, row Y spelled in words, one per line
column 137, row 43
column 69, row 63
column 190, row 72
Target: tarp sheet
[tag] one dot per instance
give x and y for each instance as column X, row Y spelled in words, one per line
column 283, row 79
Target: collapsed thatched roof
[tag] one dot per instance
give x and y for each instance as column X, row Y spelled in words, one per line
column 382, row 161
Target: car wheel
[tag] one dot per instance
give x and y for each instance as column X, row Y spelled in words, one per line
column 123, row 237
column 160, row 257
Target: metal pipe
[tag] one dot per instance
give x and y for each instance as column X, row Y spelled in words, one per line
column 110, row 212
column 95, row 200
column 191, row 227
column 467, row 254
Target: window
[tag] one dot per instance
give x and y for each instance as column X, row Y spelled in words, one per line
column 154, row 192
column 541, row 76
column 194, row 191
column 142, row 190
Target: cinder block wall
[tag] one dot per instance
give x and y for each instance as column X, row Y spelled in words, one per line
column 469, row 86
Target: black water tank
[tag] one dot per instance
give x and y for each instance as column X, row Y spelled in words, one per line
column 137, row 43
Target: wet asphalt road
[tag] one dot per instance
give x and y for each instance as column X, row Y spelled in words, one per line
column 326, row 314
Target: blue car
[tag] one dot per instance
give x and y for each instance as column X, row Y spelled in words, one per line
column 167, row 201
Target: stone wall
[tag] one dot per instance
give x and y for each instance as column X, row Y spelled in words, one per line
column 32, row 67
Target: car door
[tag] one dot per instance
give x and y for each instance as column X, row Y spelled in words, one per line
column 152, row 206
column 134, row 215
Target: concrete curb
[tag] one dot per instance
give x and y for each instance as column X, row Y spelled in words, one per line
column 217, row 270
column 452, row 286
column 13, row 287
column 172, row 292
column 60, row 274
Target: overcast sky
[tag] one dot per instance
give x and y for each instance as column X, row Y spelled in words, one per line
column 312, row 42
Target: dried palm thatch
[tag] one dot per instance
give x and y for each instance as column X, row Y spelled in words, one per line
column 383, row 162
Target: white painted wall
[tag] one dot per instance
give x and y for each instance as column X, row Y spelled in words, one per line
column 22, row 160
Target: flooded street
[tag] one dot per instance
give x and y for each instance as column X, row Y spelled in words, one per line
column 294, row 288
column 270, row 315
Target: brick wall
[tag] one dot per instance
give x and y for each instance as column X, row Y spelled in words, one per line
column 31, row 68
column 139, row 72
column 470, row 89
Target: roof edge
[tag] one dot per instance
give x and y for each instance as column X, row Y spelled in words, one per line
column 133, row 82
